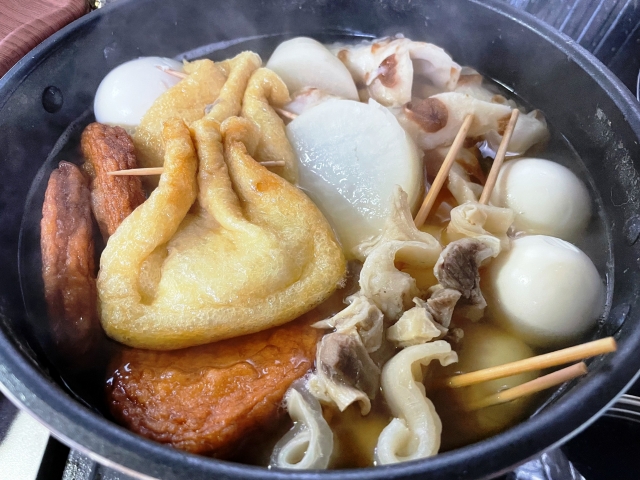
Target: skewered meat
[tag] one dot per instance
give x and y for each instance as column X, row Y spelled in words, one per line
column 434, row 122
column 441, row 304
column 416, row 326
column 207, row 399
column 457, row 268
column 384, row 69
column 345, row 373
column 68, row 268
column 113, row 198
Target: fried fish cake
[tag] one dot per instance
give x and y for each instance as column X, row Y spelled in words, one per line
column 68, row 265
column 207, row 399
column 113, row 198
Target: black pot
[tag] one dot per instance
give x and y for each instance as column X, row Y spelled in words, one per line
column 54, row 86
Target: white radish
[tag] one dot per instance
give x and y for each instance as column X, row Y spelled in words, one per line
column 350, row 156
column 303, row 62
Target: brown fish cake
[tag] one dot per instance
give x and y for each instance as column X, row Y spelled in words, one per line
column 113, row 198
column 206, row 399
column 68, row 265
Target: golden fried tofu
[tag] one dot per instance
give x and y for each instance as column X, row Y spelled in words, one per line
column 256, row 253
column 265, row 89
column 217, row 87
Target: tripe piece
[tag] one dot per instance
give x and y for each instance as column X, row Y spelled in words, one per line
column 415, row 431
column 485, row 223
column 441, row 304
column 399, row 225
column 457, row 268
column 345, row 373
column 309, row 443
column 434, row 121
column 384, row 69
column 416, row 326
column 400, row 243
column 257, row 252
column 362, row 316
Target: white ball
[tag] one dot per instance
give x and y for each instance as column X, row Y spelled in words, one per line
column 127, row 92
column 545, row 290
column 350, row 157
column 548, row 199
column 304, row 62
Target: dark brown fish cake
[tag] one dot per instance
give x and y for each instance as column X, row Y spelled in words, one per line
column 68, row 265
column 113, row 198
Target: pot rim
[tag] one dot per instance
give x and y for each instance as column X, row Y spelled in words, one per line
column 101, row 439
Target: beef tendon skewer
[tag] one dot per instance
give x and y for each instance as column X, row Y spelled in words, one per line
column 113, row 198
column 499, row 158
column 68, row 265
column 443, row 173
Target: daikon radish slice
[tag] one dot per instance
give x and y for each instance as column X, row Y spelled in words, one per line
column 304, row 62
column 350, row 156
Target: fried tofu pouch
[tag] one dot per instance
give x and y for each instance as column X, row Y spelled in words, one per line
column 257, row 252
column 266, row 88
column 207, row 84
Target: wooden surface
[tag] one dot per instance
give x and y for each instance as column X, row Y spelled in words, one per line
column 26, row 23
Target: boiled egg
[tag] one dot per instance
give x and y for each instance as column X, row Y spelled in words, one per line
column 548, row 198
column 545, row 290
column 127, row 92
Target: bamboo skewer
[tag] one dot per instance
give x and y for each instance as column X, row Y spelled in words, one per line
column 173, row 72
column 286, row 113
column 497, row 161
column 272, row 163
column 443, row 173
column 159, row 170
column 138, row 171
column 529, row 388
column 539, row 362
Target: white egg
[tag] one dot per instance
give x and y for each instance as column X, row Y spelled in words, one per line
column 350, row 156
column 548, row 198
column 545, row 290
column 127, row 92
column 304, row 62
